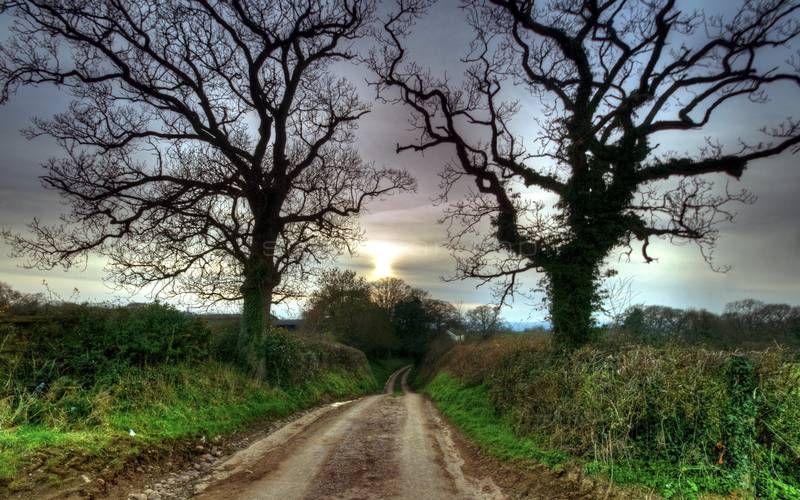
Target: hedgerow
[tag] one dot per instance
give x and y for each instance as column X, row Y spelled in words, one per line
column 676, row 418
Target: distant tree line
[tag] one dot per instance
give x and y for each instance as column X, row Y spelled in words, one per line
column 388, row 316
column 744, row 323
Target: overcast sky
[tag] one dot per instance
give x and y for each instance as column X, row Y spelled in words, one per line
column 763, row 246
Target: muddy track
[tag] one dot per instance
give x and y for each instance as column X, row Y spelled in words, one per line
column 381, row 446
column 391, row 445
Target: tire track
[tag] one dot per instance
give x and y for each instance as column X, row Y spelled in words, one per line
column 381, row 446
column 388, row 388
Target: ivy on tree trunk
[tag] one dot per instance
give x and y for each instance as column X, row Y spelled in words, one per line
column 582, row 174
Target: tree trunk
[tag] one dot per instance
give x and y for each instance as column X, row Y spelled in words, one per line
column 257, row 300
column 573, row 294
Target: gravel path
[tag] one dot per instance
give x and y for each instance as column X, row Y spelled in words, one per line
column 382, row 446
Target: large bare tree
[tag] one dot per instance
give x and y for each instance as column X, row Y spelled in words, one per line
column 598, row 81
column 388, row 292
column 208, row 148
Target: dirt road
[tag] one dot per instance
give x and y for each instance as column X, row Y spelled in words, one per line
column 382, row 446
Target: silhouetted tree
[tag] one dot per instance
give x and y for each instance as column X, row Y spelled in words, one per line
column 610, row 76
column 749, row 319
column 412, row 325
column 208, row 148
column 700, row 325
column 342, row 306
column 654, row 323
column 745, row 323
column 484, row 321
column 15, row 302
column 388, row 292
column 442, row 315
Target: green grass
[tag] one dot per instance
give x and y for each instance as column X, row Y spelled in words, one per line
column 469, row 409
column 382, row 369
column 163, row 406
column 682, row 420
column 669, row 479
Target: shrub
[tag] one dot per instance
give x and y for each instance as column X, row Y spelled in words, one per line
column 84, row 341
column 717, row 420
column 224, row 336
column 290, row 360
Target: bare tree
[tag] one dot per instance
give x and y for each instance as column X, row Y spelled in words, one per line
column 387, row 292
column 484, row 321
column 208, row 148
column 609, row 77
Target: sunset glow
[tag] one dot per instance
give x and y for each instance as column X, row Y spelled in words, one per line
column 383, row 254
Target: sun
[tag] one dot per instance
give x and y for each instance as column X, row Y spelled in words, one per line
column 383, row 255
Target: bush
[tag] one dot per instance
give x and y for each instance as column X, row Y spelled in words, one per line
column 224, row 337
column 290, row 360
column 84, row 342
column 714, row 420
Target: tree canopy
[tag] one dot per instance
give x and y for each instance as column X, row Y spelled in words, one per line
column 605, row 81
column 208, row 148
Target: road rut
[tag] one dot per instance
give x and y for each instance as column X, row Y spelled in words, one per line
column 381, row 446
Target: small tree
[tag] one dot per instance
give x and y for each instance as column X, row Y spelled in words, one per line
column 610, row 78
column 484, row 321
column 208, row 149
column 442, row 315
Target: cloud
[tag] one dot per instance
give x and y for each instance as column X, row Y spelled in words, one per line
column 762, row 246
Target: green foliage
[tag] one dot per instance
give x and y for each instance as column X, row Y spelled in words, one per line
column 420, row 320
column 83, row 341
column 283, row 356
column 572, row 283
column 163, row 405
column 383, row 318
column 291, row 360
column 225, row 332
column 255, row 319
column 745, row 323
column 740, row 417
column 411, row 324
column 778, row 430
column 678, row 419
column 74, row 379
column 470, row 410
column 342, row 307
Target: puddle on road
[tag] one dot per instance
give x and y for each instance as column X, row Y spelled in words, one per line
column 340, row 403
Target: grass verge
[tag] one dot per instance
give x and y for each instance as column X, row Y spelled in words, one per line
column 469, row 409
column 682, row 421
column 382, row 369
column 163, row 406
